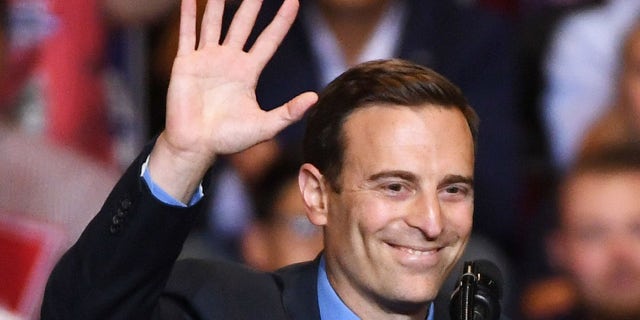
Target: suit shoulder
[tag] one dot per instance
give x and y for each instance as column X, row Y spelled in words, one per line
column 223, row 290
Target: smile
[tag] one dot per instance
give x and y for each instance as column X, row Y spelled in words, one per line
column 416, row 251
column 416, row 258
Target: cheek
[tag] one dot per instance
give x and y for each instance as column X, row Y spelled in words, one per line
column 340, row 223
column 587, row 262
column 459, row 217
column 364, row 214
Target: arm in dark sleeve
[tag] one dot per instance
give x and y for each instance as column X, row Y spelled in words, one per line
column 120, row 265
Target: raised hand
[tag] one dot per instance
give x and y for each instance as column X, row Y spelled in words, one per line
column 211, row 103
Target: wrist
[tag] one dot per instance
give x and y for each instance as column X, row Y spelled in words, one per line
column 178, row 172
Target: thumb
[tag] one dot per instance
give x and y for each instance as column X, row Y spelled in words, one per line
column 288, row 113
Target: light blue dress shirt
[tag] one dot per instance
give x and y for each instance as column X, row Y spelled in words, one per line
column 162, row 195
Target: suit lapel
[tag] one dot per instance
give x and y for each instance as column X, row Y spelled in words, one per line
column 300, row 290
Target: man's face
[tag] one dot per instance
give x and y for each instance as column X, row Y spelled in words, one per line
column 601, row 241
column 404, row 212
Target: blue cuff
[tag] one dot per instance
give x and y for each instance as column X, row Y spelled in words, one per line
column 162, row 195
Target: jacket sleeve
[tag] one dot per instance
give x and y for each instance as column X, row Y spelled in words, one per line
column 120, row 265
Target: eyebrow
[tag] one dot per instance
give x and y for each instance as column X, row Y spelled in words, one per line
column 406, row 175
column 455, row 178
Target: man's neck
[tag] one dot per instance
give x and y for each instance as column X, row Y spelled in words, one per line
column 368, row 306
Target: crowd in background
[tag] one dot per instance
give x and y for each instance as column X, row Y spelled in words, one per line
column 556, row 85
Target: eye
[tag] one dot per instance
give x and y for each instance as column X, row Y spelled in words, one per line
column 396, row 189
column 456, row 191
column 453, row 189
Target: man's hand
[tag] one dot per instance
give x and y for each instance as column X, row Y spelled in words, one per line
column 211, row 103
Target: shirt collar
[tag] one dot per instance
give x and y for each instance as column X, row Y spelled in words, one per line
column 331, row 306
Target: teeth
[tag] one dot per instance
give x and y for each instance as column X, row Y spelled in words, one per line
column 416, row 252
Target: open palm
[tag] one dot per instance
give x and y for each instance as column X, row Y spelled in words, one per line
column 211, row 103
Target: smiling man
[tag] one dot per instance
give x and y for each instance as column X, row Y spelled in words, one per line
column 403, row 215
column 396, row 196
column 388, row 175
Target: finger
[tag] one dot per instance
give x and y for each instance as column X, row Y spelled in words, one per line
column 288, row 113
column 211, row 23
column 269, row 40
column 242, row 23
column 187, row 36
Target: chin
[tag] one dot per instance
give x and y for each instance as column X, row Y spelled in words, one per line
column 408, row 306
column 414, row 297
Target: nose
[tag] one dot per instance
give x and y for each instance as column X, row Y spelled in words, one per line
column 426, row 215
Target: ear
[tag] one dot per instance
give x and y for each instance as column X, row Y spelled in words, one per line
column 254, row 246
column 314, row 193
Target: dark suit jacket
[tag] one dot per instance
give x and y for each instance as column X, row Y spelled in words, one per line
column 474, row 49
column 123, row 268
column 225, row 290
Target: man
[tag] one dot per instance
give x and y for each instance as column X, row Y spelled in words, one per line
column 280, row 234
column 597, row 241
column 388, row 174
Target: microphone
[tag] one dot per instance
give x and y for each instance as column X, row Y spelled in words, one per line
column 477, row 293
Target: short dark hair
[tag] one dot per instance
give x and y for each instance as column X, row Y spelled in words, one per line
column 393, row 81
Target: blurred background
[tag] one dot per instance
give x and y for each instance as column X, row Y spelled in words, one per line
column 555, row 82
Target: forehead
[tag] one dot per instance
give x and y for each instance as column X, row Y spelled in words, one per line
column 384, row 134
column 601, row 198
